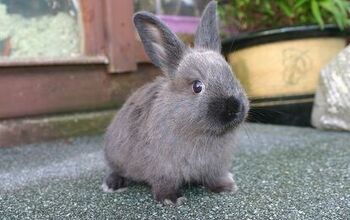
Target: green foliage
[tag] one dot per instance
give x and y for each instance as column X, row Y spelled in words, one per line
column 260, row 14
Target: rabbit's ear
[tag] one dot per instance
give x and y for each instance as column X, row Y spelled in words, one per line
column 207, row 35
column 162, row 46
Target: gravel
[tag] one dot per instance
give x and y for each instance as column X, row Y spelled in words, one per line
column 282, row 173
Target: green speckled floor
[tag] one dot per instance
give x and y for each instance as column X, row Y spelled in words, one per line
column 282, row 173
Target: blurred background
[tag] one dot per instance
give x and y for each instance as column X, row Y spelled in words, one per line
column 67, row 65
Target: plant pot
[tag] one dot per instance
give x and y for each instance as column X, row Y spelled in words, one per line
column 280, row 68
column 184, row 26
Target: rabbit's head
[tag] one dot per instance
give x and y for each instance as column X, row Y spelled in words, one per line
column 200, row 88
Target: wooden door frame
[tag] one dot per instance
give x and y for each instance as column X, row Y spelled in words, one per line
column 108, row 37
column 109, row 30
column 41, row 86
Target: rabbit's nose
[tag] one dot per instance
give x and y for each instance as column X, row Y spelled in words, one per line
column 233, row 107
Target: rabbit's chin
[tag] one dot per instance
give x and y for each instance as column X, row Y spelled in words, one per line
column 222, row 129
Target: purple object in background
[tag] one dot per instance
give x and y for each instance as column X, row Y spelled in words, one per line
column 181, row 24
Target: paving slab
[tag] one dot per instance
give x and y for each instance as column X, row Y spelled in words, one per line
column 282, row 173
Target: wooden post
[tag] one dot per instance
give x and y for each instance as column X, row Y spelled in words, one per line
column 120, row 35
column 93, row 22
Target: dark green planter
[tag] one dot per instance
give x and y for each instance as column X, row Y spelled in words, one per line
column 279, row 69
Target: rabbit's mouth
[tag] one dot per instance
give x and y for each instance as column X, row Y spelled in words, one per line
column 233, row 121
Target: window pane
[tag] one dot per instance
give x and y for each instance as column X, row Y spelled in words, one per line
column 39, row 28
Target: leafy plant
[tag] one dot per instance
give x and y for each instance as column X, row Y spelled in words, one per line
column 247, row 15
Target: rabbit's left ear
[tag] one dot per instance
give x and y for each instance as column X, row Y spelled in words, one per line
column 207, row 35
column 163, row 47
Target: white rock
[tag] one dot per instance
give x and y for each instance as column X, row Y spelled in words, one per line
column 331, row 109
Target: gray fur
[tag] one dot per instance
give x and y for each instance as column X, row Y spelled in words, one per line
column 207, row 35
column 165, row 134
column 162, row 46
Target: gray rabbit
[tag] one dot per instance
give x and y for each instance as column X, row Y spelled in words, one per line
column 180, row 128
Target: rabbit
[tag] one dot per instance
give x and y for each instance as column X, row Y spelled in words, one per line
column 180, row 128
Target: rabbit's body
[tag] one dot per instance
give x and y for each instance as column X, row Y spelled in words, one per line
column 180, row 128
column 148, row 144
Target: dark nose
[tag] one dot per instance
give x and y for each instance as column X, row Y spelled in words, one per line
column 233, row 107
column 226, row 109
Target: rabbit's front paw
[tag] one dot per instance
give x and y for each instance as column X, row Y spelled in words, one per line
column 223, row 184
column 114, row 183
column 179, row 201
column 168, row 195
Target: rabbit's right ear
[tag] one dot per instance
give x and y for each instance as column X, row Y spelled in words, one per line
column 162, row 46
column 207, row 35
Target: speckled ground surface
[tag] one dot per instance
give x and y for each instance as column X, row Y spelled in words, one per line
column 282, row 173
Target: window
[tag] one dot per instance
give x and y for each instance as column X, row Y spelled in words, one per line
column 40, row 28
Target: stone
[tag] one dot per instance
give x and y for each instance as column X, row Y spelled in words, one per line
column 331, row 109
column 33, row 130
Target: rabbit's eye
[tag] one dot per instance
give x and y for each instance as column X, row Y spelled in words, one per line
column 197, row 86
